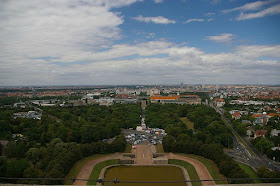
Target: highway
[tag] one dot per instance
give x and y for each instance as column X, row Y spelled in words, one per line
column 241, row 152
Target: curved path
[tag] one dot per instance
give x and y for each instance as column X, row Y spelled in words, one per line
column 88, row 167
column 145, row 152
column 200, row 168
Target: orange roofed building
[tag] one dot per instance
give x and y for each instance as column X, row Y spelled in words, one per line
column 220, row 102
column 178, row 99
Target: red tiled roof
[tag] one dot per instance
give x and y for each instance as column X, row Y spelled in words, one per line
column 261, row 132
column 174, row 97
column 273, row 114
column 165, row 97
column 236, row 114
column 257, row 115
column 219, row 100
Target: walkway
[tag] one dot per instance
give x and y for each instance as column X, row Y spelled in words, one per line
column 88, row 167
column 200, row 168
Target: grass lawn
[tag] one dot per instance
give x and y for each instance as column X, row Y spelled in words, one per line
column 211, row 166
column 160, row 148
column 190, row 168
column 128, row 148
column 187, row 122
column 97, row 169
column 78, row 166
column 250, row 172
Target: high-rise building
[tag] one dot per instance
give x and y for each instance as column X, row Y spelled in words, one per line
column 181, row 85
column 33, row 93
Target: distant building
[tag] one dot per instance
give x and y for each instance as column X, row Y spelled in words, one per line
column 236, row 115
column 260, row 133
column 275, row 148
column 105, row 101
column 153, row 91
column 29, row 114
column 21, row 105
column 270, row 115
column 33, row 93
column 260, row 119
column 181, row 86
column 219, row 102
column 178, row 99
column 125, row 99
column 275, row 132
column 240, row 112
column 250, row 132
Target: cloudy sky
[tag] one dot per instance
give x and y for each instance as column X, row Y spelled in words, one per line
column 93, row 42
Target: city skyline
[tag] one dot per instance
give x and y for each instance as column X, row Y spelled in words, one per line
column 139, row 42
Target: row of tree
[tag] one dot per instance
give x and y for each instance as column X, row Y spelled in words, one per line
column 207, row 140
column 54, row 160
column 71, row 124
column 213, row 151
column 209, row 128
column 51, row 146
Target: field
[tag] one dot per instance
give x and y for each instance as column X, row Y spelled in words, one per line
column 211, row 166
column 78, row 166
column 145, row 173
column 249, row 171
column 187, row 122
column 190, row 168
column 97, row 169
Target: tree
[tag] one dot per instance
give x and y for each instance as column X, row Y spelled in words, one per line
column 32, row 173
column 15, row 168
column 168, row 142
column 89, row 133
column 3, row 165
column 241, row 129
column 33, row 155
column 183, row 138
column 263, row 145
column 263, row 172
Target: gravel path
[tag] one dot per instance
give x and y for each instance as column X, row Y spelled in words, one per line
column 88, row 167
column 200, row 168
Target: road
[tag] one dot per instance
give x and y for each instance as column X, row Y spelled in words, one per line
column 256, row 159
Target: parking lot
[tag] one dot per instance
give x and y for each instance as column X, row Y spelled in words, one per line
column 134, row 137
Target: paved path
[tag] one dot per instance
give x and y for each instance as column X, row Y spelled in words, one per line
column 144, row 154
column 200, row 168
column 88, row 167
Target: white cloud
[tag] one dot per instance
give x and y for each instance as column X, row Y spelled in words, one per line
column 157, row 20
column 268, row 11
column 72, row 42
column 210, row 14
column 152, row 62
column 222, row 38
column 33, row 29
column 250, row 6
column 194, row 20
column 258, row 5
column 255, row 51
column 158, row 1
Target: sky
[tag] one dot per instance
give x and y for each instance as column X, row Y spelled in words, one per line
column 119, row 42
